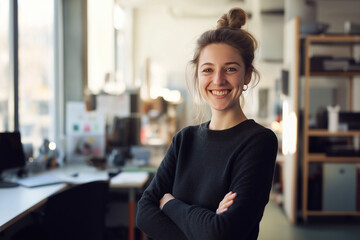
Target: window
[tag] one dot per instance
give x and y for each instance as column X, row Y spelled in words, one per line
column 27, row 69
column 4, row 65
column 36, row 69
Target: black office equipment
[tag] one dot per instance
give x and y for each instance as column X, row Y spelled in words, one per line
column 11, row 155
column 77, row 212
column 285, row 82
column 342, row 151
column 351, row 119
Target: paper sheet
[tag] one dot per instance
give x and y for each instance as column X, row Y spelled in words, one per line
column 40, row 180
column 130, row 177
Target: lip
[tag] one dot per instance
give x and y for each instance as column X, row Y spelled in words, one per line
column 220, row 93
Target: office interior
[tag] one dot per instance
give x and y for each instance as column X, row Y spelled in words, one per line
column 103, row 83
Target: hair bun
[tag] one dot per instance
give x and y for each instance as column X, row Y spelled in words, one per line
column 235, row 19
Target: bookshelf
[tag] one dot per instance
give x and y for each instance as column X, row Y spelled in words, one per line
column 322, row 158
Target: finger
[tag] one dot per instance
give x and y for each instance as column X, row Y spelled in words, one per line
column 228, row 194
column 220, row 211
column 227, row 201
column 226, row 205
column 229, row 197
column 232, row 195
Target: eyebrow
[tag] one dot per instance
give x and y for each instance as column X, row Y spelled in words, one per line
column 228, row 63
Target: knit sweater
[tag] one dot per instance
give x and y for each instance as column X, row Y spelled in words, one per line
column 200, row 167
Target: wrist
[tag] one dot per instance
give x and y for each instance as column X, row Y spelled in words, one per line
column 165, row 199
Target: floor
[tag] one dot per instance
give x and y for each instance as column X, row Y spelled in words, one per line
column 275, row 226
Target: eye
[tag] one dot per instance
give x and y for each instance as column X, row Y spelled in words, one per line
column 231, row 69
column 207, row 70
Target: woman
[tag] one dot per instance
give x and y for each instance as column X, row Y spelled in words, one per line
column 215, row 179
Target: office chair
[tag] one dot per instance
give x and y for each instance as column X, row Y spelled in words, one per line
column 77, row 212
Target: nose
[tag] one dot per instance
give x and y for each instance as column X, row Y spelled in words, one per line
column 219, row 78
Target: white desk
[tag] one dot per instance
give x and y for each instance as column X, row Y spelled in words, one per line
column 17, row 202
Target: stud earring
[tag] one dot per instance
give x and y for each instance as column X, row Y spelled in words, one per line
column 244, row 89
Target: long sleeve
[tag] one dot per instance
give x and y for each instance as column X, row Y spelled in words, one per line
column 251, row 178
column 150, row 219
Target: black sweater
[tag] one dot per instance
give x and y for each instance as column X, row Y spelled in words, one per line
column 200, row 167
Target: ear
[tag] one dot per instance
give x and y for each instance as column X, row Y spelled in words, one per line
column 248, row 76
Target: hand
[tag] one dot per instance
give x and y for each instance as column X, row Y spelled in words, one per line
column 167, row 197
column 227, row 201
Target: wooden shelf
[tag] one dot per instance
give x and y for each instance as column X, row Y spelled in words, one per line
column 321, row 157
column 334, row 74
column 332, row 213
column 333, row 39
column 326, row 133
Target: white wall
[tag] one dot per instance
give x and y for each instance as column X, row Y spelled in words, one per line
column 167, row 36
column 101, row 52
column 166, row 31
column 336, row 12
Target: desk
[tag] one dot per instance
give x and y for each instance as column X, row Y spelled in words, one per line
column 17, row 202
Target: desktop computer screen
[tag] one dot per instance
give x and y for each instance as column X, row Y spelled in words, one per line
column 11, row 153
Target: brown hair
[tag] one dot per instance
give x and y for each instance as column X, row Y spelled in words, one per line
column 228, row 31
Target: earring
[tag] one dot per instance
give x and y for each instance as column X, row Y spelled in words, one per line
column 244, row 89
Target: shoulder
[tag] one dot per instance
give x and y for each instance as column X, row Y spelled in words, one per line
column 260, row 133
column 186, row 137
column 187, row 132
column 259, row 144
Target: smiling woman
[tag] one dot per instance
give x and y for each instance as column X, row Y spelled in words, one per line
column 215, row 179
column 240, row 47
column 222, row 76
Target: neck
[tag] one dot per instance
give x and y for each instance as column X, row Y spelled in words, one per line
column 221, row 120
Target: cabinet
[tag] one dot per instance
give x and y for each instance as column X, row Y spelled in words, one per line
column 320, row 158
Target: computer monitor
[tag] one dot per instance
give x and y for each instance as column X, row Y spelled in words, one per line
column 11, row 154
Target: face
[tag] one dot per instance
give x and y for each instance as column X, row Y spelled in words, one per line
column 221, row 75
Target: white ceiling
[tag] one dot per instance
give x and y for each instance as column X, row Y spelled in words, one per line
column 192, row 8
column 189, row 3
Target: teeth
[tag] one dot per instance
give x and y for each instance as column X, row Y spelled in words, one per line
column 220, row 93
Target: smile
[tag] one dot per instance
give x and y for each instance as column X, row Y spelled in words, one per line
column 219, row 92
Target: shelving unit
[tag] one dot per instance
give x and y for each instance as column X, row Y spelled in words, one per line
column 322, row 157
